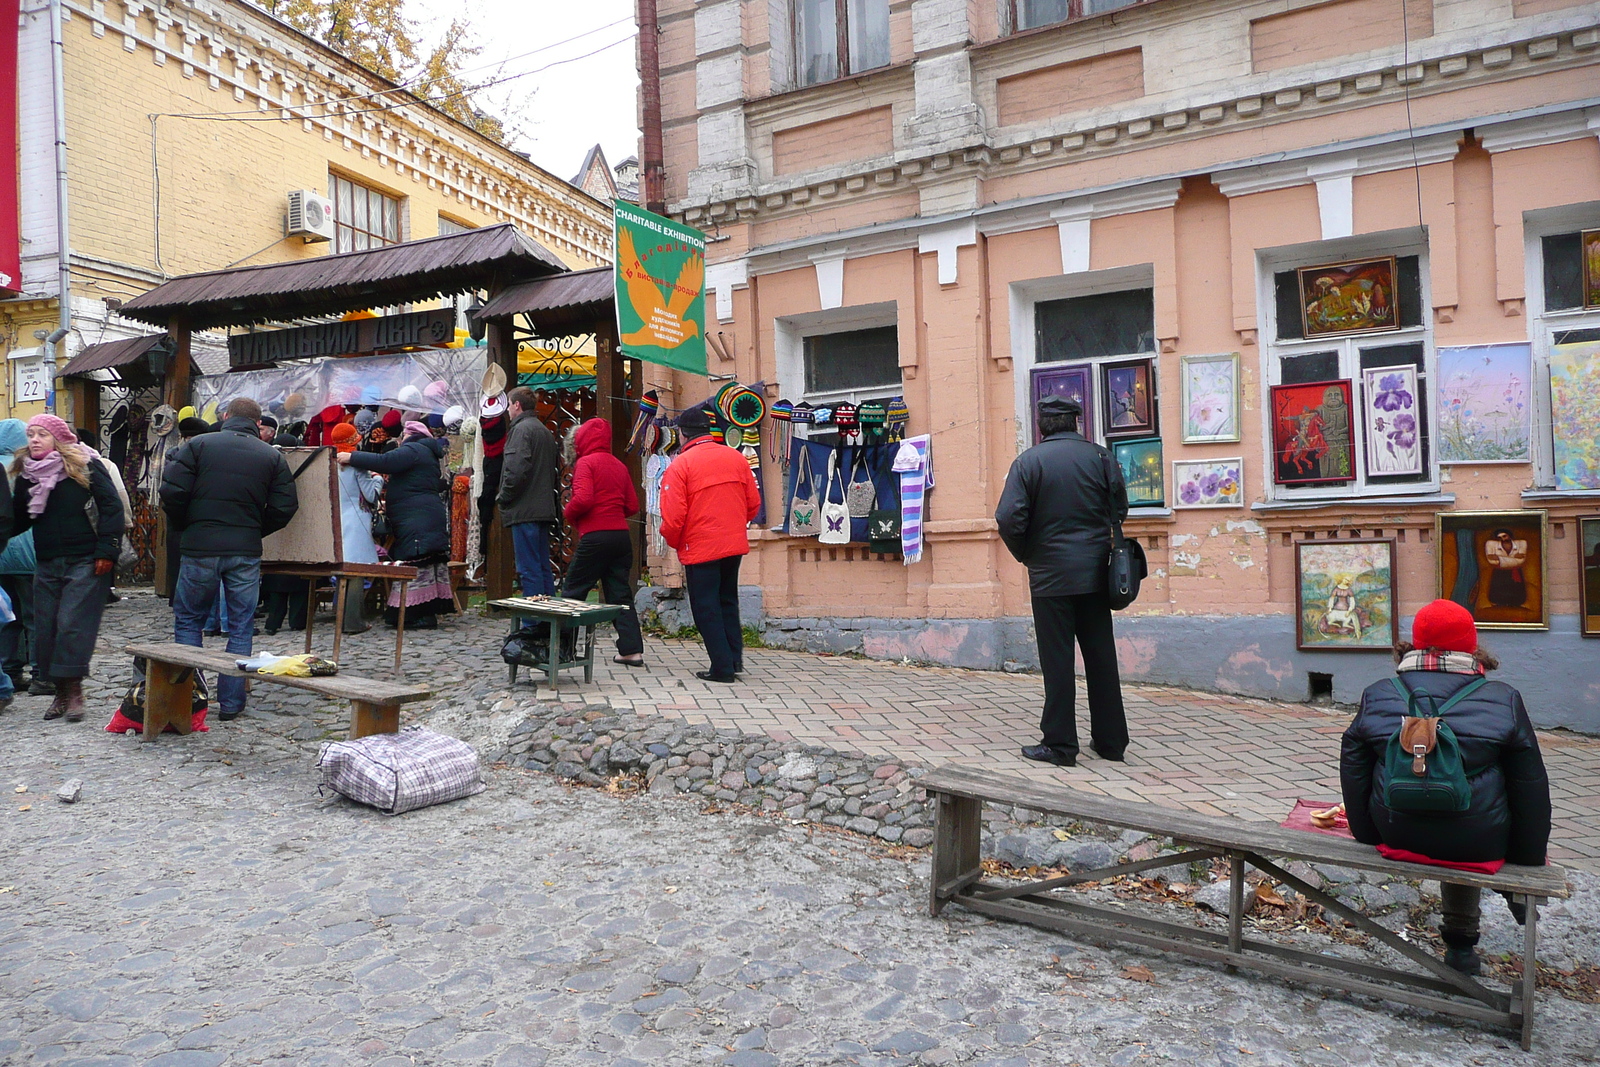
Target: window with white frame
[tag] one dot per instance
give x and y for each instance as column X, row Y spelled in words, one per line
column 1566, row 456
column 363, row 217
column 1031, row 14
column 831, row 357
column 449, row 225
column 1077, row 338
column 836, row 38
column 1349, row 367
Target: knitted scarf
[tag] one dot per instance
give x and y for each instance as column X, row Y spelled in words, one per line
column 45, row 474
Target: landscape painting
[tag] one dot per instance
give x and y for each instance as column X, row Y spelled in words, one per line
column 1142, row 471
column 1574, row 414
column 1312, row 439
column 1483, row 414
column 1390, row 420
column 1347, row 298
column 1210, row 398
column 1493, row 564
column 1345, row 595
column 1208, row 483
column 1130, row 400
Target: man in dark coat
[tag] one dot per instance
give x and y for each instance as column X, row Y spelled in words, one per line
column 528, row 499
column 1060, row 501
column 223, row 492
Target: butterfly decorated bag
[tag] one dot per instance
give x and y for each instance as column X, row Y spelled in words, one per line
column 804, row 517
column 835, row 515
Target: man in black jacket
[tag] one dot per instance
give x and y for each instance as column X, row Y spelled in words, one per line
column 528, row 499
column 1055, row 515
column 223, row 492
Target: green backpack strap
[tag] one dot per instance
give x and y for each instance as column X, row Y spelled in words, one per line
column 1456, row 698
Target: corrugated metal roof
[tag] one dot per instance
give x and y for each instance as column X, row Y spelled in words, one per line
column 112, row 354
column 579, row 296
column 350, row 281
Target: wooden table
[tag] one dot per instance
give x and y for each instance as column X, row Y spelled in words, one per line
column 561, row 614
column 343, row 574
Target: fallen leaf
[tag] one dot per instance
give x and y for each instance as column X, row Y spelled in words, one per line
column 1246, row 1051
column 1267, row 896
column 1138, row 972
column 1062, row 835
column 21, row 789
column 26, row 807
column 670, row 889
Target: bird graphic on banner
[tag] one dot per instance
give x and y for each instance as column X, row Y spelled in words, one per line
column 664, row 325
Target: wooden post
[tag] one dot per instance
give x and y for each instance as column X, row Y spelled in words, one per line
column 175, row 392
column 168, row 698
column 957, row 829
column 367, row 718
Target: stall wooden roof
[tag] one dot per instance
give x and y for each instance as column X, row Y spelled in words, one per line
column 484, row 258
column 574, row 299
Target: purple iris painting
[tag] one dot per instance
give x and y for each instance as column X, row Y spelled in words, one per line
column 1390, row 417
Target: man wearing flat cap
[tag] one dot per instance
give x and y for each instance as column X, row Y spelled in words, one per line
column 1061, row 499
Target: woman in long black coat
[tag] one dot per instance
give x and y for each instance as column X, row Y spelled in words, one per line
column 419, row 520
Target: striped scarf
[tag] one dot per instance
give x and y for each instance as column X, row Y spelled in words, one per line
column 1419, row 659
column 914, row 463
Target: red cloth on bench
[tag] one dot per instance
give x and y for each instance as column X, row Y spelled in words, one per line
column 1400, row 854
column 1300, row 819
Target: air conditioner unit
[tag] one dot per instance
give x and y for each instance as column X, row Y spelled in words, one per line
column 310, row 216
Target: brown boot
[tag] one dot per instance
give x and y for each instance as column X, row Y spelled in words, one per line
column 58, row 706
column 73, row 705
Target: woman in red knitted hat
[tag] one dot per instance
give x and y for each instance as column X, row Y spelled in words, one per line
column 1507, row 820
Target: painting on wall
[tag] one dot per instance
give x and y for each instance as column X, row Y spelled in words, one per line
column 1483, row 414
column 1347, row 298
column 1345, row 595
column 1130, row 399
column 1074, row 381
column 1574, row 414
column 1590, row 242
column 1589, row 577
column 1208, row 483
column 1142, row 471
column 1390, row 420
column 1312, row 440
column 1493, row 564
column 1211, row 398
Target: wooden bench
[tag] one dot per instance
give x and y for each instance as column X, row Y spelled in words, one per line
column 169, row 689
column 960, row 793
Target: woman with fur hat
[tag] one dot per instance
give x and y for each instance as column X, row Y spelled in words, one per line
column 65, row 494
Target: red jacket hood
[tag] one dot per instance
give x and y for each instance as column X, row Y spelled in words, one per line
column 593, row 436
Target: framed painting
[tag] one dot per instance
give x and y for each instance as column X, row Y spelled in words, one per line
column 1589, row 241
column 1142, row 471
column 1208, row 483
column 1130, row 398
column 1589, row 577
column 1344, row 596
column 1312, row 439
column 1483, row 411
column 1574, row 414
column 1211, row 398
column 1493, row 563
column 1349, row 298
column 1076, row 381
column 1389, row 420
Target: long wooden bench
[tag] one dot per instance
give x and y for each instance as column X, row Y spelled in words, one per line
column 169, row 689
column 957, row 877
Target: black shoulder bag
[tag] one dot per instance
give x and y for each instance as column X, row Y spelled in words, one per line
column 1126, row 567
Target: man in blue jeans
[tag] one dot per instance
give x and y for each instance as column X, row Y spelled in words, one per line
column 529, row 499
column 223, row 492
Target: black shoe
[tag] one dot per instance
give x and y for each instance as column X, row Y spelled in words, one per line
column 1464, row 960
column 1047, row 754
column 1114, row 757
column 112, row 598
column 213, row 633
column 229, row 716
column 41, row 687
column 707, row 676
column 427, row 622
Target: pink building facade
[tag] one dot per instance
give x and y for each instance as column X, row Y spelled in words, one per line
column 965, row 202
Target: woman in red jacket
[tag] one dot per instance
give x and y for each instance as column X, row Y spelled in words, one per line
column 602, row 499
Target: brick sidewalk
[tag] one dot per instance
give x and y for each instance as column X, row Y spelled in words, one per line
column 1215, row 754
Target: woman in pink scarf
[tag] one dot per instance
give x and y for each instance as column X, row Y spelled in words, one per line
column 64, row 492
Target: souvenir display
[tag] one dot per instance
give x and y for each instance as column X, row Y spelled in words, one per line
column 742, row 406
column 644, row 419
column 1073, row 381
column 1390, row 420
column 1208, row 483
column 1142, row 471
column 1349, row 298
column 1130, row 400
column 805, row 502
column 835, row 513
column 844, row 417
column 1574, row 414
column 1344, row 596
column 1312, row 442
column 897, row 416
column 1493, row 564
column 913, row 461
column 779, row 432
column 1589, row 242
column 1589, row 577
column 860, row 495
column 873, row 416
column 1482, row 410
column 1211, row 398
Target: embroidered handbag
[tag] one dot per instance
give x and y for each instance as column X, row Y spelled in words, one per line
column 860, row 496
column 835, row 515
column 883, row 530
column 804, row 517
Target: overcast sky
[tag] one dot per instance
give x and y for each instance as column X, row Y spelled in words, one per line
column 558, row 114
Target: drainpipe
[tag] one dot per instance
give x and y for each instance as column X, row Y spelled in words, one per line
column 58, row 57
column 654, row 169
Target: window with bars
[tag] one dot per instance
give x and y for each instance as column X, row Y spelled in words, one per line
column 836, row 38
column 1564, row 311
column 363, row 218
column 1031, row 14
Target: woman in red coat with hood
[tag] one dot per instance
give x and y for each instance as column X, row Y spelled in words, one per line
column 602, row 499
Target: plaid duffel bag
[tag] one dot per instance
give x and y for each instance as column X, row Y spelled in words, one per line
column 400, row 772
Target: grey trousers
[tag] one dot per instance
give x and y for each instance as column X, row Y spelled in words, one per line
column 1459, row 910
column 68, row 600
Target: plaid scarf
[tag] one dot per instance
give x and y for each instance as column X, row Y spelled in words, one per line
column 1419, row 659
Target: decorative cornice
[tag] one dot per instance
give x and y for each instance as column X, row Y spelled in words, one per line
column 1530, row 133
column 1438, row 148
column 1148, row 196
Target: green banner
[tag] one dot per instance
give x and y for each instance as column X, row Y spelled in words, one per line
column 661, row 289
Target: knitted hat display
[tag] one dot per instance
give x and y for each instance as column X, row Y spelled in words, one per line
column 780, row 432
column 455, row 416
column 644, row 418
column 1445, row 625
column 844, row 417
column 898, row 416
column 742, row 407
column 365, row 420
column 872, row 416
column 345, row 438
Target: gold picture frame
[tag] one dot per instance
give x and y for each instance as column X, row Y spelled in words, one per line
column 1506, row 583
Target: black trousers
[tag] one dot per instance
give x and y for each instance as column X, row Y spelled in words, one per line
column 286, row 597
column 714, row 603
column 605, row 557
column 1460, row 908
column 1057, row 622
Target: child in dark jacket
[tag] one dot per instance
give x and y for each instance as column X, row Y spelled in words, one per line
column 1508, row 820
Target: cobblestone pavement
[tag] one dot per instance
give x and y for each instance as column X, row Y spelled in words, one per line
column 201, row 906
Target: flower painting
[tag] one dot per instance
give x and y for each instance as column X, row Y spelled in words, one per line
column 1575, row 413
column 1390, row 420
column 1211, row 398
column 1345, row 593
column 1208, row 483
column 1345, row 298
column 1483, row 412
column 1142, row 471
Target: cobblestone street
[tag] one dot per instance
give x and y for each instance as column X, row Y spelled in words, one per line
column 202, row 905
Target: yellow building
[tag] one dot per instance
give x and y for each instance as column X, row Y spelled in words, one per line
column 190, row 130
